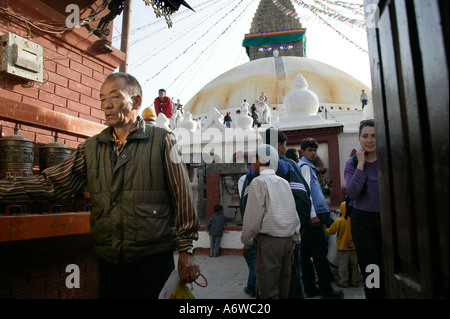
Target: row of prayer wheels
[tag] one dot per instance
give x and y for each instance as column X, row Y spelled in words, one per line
column 17, row 155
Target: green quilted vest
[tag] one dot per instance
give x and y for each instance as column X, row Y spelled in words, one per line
column 132, row 210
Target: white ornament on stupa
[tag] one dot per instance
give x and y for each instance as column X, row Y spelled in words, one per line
column 187, row 122
column 300, row 100
column 177, row 118
column 163, row 121
column 215, row 121
column 300, row 108
column 275, row 117
column 243, row 121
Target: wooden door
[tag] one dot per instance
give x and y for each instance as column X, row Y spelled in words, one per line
column 408, row 48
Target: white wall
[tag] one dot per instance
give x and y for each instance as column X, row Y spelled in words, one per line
column 231, row 239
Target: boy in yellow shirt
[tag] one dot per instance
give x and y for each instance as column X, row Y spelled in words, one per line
column 346, row 249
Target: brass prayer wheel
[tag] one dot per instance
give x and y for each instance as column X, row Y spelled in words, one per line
column 16, row 156
column 52, row 154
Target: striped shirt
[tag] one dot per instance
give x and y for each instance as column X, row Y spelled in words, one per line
column 70, row 177
column 270, row 209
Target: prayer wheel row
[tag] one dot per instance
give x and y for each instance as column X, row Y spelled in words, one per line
column 17, row 155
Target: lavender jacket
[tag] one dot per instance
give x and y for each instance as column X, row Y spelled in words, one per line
column 354, row 179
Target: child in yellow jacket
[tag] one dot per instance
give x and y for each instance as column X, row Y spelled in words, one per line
column 346, row 249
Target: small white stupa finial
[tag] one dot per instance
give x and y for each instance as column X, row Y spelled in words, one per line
column 301, row 100
column 187, row 122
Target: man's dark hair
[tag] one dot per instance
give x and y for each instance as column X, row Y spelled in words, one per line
column 132, row 85
column 308, row 142
column 218, row 208
column 162, row 90
column 292, row 154
column 273, row 136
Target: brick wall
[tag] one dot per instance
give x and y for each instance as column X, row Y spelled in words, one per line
column 36, row 269
column 74, row 68
column 73, row 73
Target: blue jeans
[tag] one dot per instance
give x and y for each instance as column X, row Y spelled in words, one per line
column 251, row 281
column 364, row 103
column 214, row 244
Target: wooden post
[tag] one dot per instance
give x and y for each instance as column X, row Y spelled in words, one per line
column 124, row 43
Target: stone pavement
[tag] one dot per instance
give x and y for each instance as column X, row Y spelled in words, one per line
column 227, row 277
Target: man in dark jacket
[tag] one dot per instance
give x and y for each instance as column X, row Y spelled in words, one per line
column 215, row 227
column 227, row 120
column 141, row 206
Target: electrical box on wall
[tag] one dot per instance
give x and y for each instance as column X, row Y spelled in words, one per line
column 21, row 57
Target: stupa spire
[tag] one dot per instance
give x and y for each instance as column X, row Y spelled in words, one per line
column 273, row 29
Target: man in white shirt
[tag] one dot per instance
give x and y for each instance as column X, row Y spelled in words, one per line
column 271, row 217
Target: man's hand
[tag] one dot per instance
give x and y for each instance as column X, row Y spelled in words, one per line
column 188, row 269
column 315, row 222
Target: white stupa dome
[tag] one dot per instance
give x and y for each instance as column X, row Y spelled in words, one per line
column 275, row 77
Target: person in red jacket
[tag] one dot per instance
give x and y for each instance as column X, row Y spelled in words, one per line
column 163, row 104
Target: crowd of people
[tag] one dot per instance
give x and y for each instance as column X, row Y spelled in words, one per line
column 258, row 111
column 358, row 227
column 141, row 213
